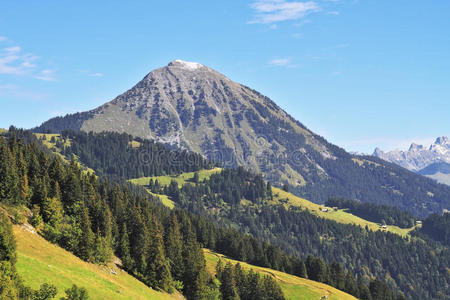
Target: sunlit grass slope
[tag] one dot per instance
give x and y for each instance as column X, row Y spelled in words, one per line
column 293, row 287
column 340, row 216
column 180, row 179
column 40, row 261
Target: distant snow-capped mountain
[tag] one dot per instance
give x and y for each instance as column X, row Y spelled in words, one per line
column 419, row 158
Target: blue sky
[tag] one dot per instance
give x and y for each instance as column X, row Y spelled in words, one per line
column 361, row 73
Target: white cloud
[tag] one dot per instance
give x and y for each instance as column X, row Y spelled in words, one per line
column 280, row 62
column 96, row 74
column 335, row 13
column 46, row 75
column 14, row 62
column 272, row 11
column 2, row 38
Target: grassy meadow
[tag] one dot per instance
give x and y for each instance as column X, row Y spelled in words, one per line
column 40, row 261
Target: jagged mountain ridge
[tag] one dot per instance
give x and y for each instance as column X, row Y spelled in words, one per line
column 432, row 161
column 192, row 106
column 417, row 157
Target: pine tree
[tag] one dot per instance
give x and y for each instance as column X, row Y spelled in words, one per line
column 124, row 248
column 9, row 183
column 87, row 238
column 228, row 284
column 157, row 273
column 174, row 247
column 195, row 277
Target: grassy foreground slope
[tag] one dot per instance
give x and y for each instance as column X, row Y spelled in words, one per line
column 40, row 261
column 280, row 197
column 293, row 287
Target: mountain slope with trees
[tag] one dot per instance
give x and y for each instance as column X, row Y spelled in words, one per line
column 203, row 111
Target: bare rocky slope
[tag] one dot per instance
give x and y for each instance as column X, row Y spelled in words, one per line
column 192, row 106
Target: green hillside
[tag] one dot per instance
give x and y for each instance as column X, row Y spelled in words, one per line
column 180, row 179
column 40, row 261
column 280, row 197
column 293, row 287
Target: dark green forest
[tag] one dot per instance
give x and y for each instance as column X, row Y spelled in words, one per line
column 436, row 227
column 124, row 161
column 376, row 213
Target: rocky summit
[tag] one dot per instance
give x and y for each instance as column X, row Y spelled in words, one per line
column 192, row 106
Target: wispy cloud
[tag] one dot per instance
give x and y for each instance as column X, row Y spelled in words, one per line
column 2, row 38
column 335, row 73
column 46, row 75
column 96, row 74
column 272, row 11
column 13, row 61
column 335, row 13
column 280, row 62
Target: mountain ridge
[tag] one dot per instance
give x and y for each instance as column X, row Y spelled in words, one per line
column 432, row 161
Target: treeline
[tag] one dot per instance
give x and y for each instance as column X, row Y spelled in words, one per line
column 361, row 251
column 383, row 214
column 11, row 284
column 121, row 155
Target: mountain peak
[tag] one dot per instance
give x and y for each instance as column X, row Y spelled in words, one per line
column 187, row 65
column 416, row 147
column 378, row 152
column 442, row 140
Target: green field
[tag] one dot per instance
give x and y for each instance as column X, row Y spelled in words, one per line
column 165, row 180
column 40, row 261
column 340, row 216
column 180, row 179
column 293, row 287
